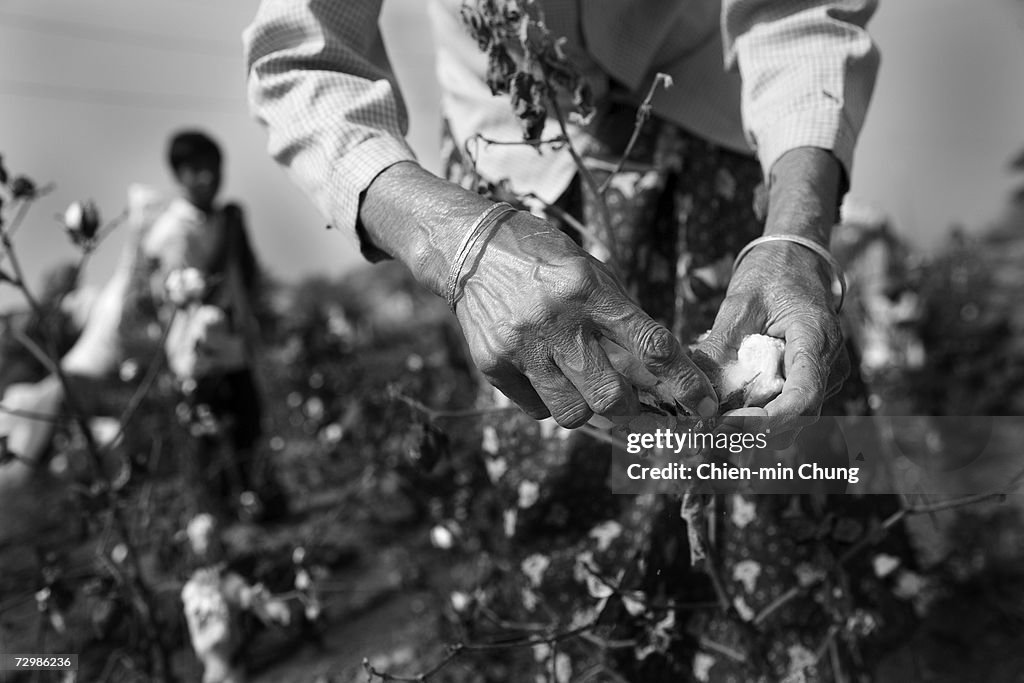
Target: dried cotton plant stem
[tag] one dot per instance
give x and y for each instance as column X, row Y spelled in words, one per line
column 142, row 599
column 458, row 648
column 643, row 113
column 604, row 215
column 887, row 524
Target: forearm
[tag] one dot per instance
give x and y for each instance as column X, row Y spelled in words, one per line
column 417, row 218
column 804, row 194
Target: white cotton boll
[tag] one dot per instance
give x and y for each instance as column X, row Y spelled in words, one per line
column 747, row 572
column 496, row 468
column 460, row 601
column 201, row 531
column 702, row 663
column 885, row 564
column 185, row 286
column 82, row 220
column 509, row 518
column 529, row 493
column 563, row 668
column 756, row 372
column 534, row 567
column 490, row 443
column 441, row 537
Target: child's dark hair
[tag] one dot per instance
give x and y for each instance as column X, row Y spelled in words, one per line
column 191, row 145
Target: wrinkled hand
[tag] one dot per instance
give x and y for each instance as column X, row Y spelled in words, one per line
column 539, row 314
column 783, row 290
column 536, row 310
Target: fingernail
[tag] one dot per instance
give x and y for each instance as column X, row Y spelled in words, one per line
column 707, row 407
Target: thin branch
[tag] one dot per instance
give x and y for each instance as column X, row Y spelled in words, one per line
column 724, row 650
column 965, row 500
column 567, row 218
column 458, row 648
column 640, row 596
column 16, row 222
column 509, row 625
column 711, row 569
column 872, row 537
column 33, row 348
column 837, row 663
column 147, row 382
column 24, row 205
column 471, row 155
column 597, row 670
column 453, row 652
column 830, row 636
column 437, row 414
column 15, row 602
column 778, row 603
column 556, row 142
column 87, row 251
column 643, row 113
column 141, row 597
column 588, row 179
column 606, row 644
column 59, row 418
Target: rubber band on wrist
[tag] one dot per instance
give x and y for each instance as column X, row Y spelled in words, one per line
column 837, row 270
column 487, row 219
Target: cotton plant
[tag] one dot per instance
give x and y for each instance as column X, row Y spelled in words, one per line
column 26, row 436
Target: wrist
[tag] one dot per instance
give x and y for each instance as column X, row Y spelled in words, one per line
column 784, row 259
column 419, row 219
column 804, row 194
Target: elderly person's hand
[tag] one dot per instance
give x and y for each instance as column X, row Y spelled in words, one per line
column 784, row 290
column 535, row 308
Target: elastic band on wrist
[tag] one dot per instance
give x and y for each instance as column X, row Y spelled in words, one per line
column 837, row 270
column 479, row 226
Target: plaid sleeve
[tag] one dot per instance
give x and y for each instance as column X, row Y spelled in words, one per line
column 320, row 82
column 808, row 69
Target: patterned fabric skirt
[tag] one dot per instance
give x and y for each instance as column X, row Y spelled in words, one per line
column 780, row 597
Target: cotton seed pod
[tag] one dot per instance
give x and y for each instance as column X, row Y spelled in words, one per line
column 23, row 188
column 82, row 220
column 441, row 537
column 754, row 378
column 185, row 286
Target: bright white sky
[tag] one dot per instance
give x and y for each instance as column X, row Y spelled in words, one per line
column 90, row 90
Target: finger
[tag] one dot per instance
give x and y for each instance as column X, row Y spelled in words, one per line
column 562, row 399
column 627, row 366
column 519, row 390
column 589, row 369
column 810, row 350
column 659, row 352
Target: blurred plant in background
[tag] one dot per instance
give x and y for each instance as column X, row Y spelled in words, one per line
column 402, row 486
